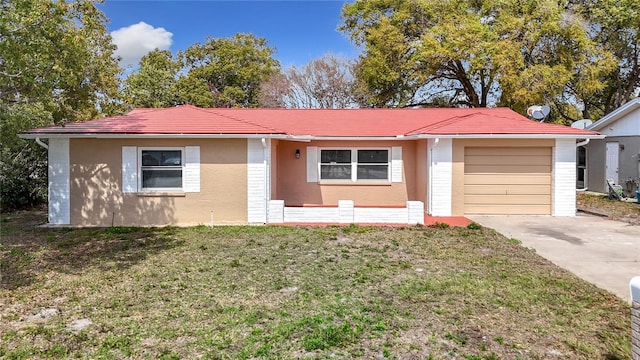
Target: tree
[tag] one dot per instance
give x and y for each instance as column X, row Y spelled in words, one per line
column 326, row 82
column 473, row 53
column 226, row 72
column 615, row 26
column 57, row 65
column 58, row 54
column 154, row 84
column 276, row 92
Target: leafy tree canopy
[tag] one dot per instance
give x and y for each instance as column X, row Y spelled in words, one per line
column 226, row 72
column 615, row 26
column 154, row 84
column 478, row 53
column 222, row 72
column 59, row 55
column 56, row 65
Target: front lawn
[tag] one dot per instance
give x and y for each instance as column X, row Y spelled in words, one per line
column 294, row 292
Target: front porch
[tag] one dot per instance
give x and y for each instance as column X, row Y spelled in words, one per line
column 346, row 213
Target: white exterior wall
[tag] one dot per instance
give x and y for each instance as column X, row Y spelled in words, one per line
column 629, row 125
column 563, row 192
column 59, row 197
column 440, row 169
column 258, row 184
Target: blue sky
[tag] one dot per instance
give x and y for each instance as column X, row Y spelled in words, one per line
column 299, row 30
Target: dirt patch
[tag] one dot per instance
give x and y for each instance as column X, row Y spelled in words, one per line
column 600, row 204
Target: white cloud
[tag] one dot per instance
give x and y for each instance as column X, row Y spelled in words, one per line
column 135, row 41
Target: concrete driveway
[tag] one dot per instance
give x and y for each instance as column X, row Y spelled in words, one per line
column 603, row 252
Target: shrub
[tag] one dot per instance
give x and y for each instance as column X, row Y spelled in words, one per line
column 474, row 226
column 23, row 177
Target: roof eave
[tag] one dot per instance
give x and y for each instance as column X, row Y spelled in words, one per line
column 147, row 136
column 511, row 136
column 615, row 115
column 306, row 138
column 362, row 138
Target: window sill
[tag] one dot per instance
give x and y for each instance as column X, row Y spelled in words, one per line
column 161, row 194
column 355, row 183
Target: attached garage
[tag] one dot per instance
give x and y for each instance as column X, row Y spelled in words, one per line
column 507, row 180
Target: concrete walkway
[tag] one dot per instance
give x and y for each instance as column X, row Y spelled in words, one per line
column 601, row 251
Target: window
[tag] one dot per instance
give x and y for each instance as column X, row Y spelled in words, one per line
column 161, row 169
column 373, row 164
column 581, row 167
column 354, row 164
column 335, row 164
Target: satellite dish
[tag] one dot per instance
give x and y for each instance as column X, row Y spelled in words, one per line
column 546, row 110
column 581, row 124
column 538, row 112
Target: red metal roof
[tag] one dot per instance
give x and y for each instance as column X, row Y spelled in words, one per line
column 176, row 120
column 187, row 119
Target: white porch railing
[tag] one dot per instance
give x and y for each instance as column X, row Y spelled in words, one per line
column 346, row 213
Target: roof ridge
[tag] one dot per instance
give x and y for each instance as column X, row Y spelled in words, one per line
column 147, row 109
column 455, row 119
column 438, row 124
column 214, row 111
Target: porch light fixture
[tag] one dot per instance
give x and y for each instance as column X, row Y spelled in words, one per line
column 297, row 153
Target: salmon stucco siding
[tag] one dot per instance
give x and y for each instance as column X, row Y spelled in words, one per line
column 96, row 181
column 296, row 188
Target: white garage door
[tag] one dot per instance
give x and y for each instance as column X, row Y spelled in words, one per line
column 512, row 180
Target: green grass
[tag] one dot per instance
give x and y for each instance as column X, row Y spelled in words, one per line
column 295, row 292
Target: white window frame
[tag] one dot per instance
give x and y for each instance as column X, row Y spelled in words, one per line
column 354, row 164
column 182, row 168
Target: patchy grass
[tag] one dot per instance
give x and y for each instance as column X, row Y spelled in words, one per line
column 295, row 292
column 614, row 209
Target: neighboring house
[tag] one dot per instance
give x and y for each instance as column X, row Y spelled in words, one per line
column 187, row 165
column 616, row 157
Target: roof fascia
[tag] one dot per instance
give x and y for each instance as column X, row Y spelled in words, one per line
column 512, row 136
column 150, row 136
column 363, row 138
column 300, row 138
column 308, row 138
column 615, row 115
